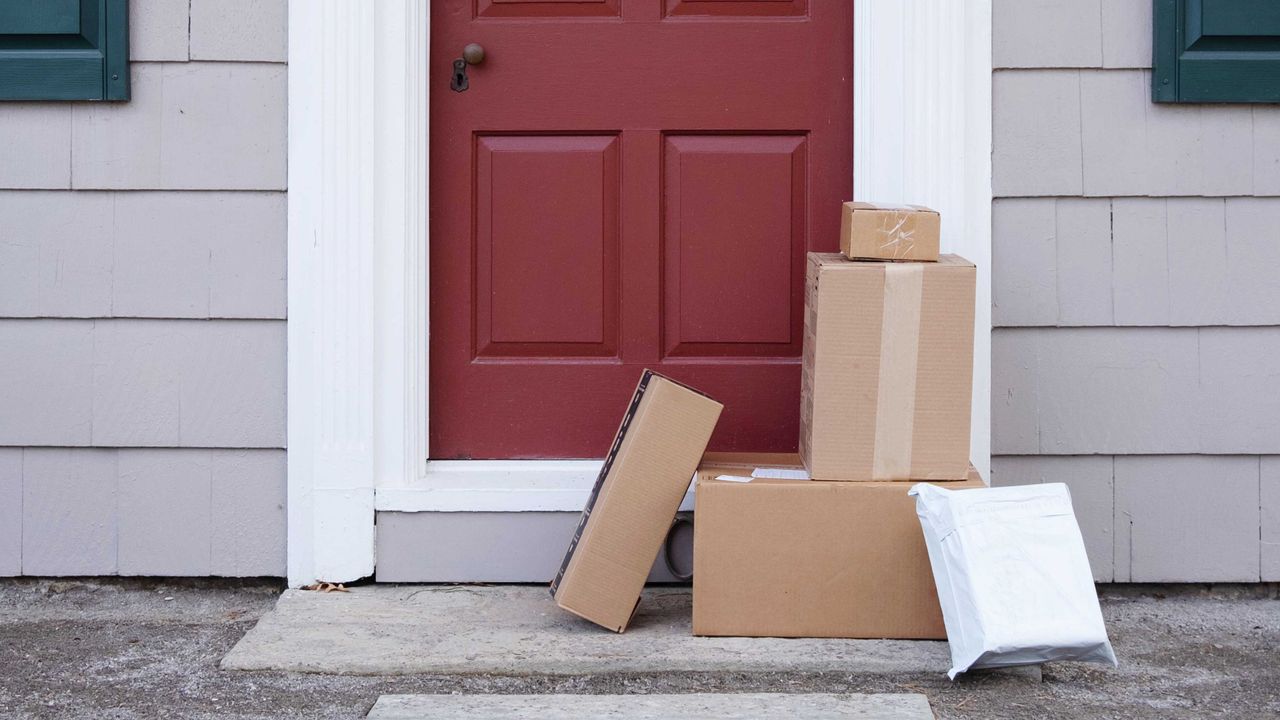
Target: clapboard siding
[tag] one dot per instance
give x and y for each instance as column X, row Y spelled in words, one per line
column 142, row 308
column 1135, row 303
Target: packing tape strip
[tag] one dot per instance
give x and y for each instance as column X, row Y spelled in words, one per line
column 896, row 235
column 899, row 354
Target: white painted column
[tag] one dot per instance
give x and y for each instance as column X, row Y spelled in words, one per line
column 331, row 279
column 358, row 112
column 922, row 134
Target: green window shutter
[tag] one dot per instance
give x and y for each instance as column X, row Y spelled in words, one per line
column 1216, row 51
column 64, row 49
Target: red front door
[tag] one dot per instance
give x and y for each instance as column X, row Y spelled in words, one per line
column 628, row 184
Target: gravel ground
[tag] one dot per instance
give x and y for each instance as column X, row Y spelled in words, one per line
column 150, row 648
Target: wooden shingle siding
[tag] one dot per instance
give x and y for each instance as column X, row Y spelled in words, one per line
column 1096, row 133
column 190, row 126
column 1144, row 262
column 1187, row 519
column 1077, row 391
column 142, row 383
column 99, row 511
column 244, row 30
column 10, row 512
column 142, row 308
column 142, row 254
column 158, row 30
column 1135, row 303
column 1270, row 509
column 1085, row 34
column 1075, row 39
column 35, row 142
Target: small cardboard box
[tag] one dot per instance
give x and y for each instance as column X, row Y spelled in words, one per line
column 869, row 231
column 887, row 378
column 804, row 558
column 641, row 484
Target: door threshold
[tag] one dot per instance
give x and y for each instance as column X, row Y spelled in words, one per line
column 498, row 486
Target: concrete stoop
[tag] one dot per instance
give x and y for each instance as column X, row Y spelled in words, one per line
column 704, row 706
column 518, row 630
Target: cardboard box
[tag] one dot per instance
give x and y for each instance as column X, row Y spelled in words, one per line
column 887, row 377
column 805, row 558
column 641, row 484
column 889, row 232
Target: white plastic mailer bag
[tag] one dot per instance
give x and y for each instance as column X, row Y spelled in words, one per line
column 1012, row 575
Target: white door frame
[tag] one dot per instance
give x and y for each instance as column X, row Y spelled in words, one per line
column 358, row 270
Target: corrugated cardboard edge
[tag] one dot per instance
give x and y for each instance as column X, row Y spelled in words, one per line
column 813, row 268
column 618, row 438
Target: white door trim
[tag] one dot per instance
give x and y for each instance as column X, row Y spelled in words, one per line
column 498, row 486
column 358, row 270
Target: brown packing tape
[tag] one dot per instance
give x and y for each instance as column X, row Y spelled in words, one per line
column 899, row 356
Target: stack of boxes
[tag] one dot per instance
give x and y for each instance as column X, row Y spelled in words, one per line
column 885, row 400
column 826, row 543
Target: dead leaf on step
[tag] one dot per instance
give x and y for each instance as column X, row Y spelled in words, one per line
column 326, row 587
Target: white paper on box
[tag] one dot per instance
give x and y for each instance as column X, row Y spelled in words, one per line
column 780, row 473
column 1012, row 576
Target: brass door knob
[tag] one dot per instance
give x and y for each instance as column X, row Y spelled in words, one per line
column 473, row 53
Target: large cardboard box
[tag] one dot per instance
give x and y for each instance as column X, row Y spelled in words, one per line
column 869, row 231
column 641, row 484
column 805, row 558
column 887, row 369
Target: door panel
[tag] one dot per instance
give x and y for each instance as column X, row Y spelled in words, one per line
column 737, row 8
column 734, row 212
column 546, row 8
column 546, row 246
column 628, row 184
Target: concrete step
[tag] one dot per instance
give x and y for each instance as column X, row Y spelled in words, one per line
column 518, row 630
column 820, row 706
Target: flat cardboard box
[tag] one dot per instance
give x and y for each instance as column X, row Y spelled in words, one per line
column 887, row 378
column 640, row 487
column 805, row 558
column 871, row 231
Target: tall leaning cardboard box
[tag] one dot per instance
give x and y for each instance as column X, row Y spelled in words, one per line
column 643, row 480
column 887, row 378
